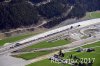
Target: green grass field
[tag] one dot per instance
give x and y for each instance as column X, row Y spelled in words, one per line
column 28, row 56
column 95, row 54
column 46, row 44
column 13, row 39
column 43, row 44
column 95, row 14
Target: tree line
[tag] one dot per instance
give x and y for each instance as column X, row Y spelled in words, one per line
column 19, row 13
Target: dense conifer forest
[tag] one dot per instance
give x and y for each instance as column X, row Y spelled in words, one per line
column 19, row 13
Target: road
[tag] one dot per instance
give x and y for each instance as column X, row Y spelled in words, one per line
column 43, row 22
column 6, row 50
column 6, row 60
column 16, row 62
column 68, row 48
column 30, row 41
column 74, row 44
column 38, row 4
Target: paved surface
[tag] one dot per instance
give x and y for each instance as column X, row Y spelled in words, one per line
column 6, row 60
column 7, row 49
column 20, row 62
column 68, row 48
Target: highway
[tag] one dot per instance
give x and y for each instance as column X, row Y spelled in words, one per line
column 46, row 35
column 74, row 44
column 69, row 47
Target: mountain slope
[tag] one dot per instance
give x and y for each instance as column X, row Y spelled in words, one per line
column 22, row 13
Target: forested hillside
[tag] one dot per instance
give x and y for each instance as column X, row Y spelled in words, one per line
column 21, row 13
